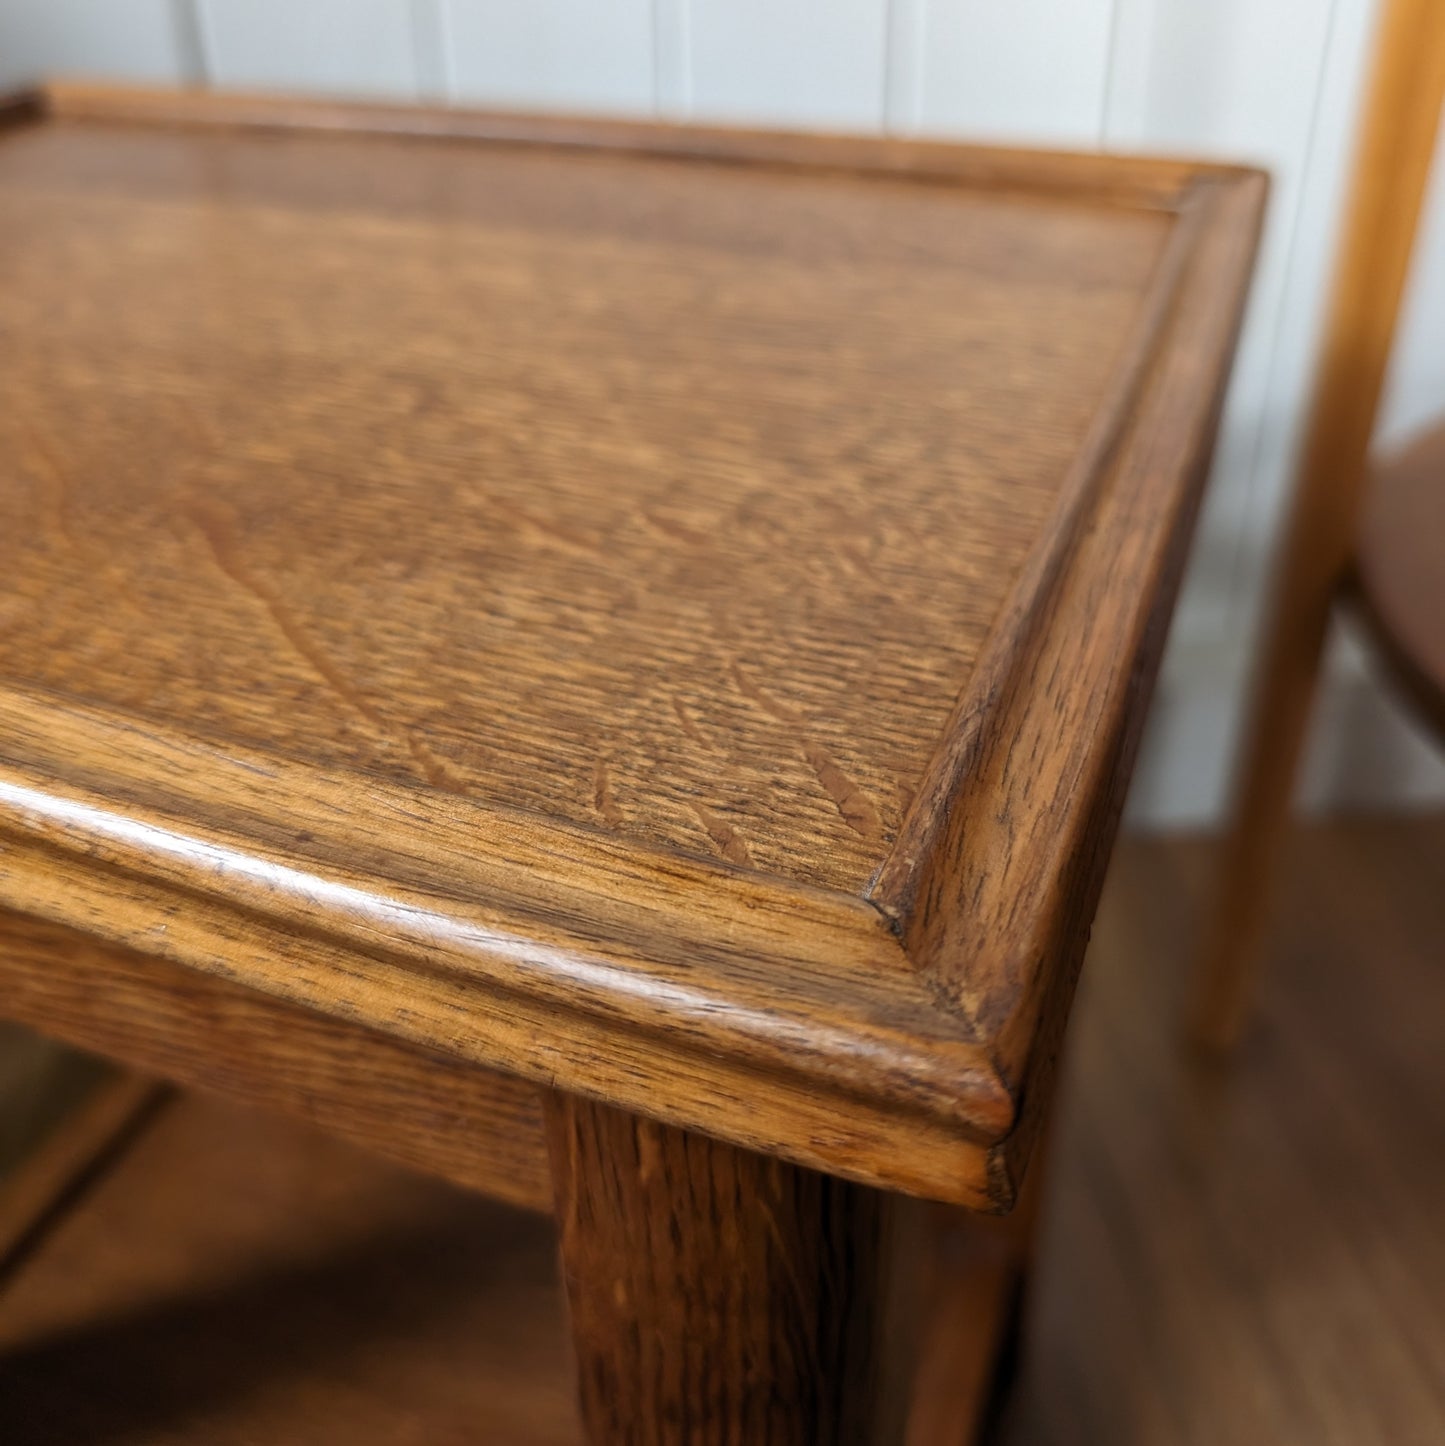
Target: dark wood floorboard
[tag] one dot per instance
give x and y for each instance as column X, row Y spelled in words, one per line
column 1253, row 1252
column 1244, row 1254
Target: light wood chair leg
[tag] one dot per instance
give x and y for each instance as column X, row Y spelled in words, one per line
column 1392, row 166
column 719, row 1296
column 1275, row 738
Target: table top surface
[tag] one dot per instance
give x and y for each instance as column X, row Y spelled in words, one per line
column 684, row 516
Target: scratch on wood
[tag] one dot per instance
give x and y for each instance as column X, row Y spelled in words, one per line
column 684, row 718
column 439, row 773
column 59, row 489
column 727, row 840
column 855, row 806
column 859, row 561
column 674, row 531
column 781, row 711
column 548, row 531
column 214, row 529
column 602, row 795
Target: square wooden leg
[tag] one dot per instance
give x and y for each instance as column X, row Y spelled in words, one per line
column 719, row 1296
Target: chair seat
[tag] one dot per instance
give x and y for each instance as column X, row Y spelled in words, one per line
column 1401, row 566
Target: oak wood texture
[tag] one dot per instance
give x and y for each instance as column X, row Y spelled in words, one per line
column 1400, row 568
column 467, row 1124
column 719, row 1295
column 1391, row 169
column 663, row 613
column 238, row 1277
column 1212, row 1241
column 977, row 1274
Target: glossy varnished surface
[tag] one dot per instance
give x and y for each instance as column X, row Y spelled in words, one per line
column 663, row 613
column 1247, row 1256
column 673, row 500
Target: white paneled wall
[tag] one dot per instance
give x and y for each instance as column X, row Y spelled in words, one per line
column 806, row 62
column 360, row 46
column 580, row 57
column 134, row 40
column 1034, row 71
column 1233, row 78
column 1272, row 81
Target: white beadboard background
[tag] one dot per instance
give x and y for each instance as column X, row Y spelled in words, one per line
column 1277, row 82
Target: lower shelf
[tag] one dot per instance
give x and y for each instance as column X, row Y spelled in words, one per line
column 237, row 1278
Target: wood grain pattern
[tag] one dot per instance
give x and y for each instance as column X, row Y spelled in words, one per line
column 239, row 1279
column 540, row 658
column 1122, row 180
column 471, row 1126
column 621, row 502
column 1022, row 806
column 1391, row 170
column 717, row 1296
column 972, row 1314
column 1400, row 582
column 499, row 939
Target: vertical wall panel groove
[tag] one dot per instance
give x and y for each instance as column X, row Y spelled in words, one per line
column 1131, row 38
column 570, row 55
column 1026, row 72
column 135, row 40
column 205, row 41
column 903, row 66
column 190, row 42
column 813, row 63
column 672, row 58
column 1240, row 80
column 430, row 50
column 345, row 47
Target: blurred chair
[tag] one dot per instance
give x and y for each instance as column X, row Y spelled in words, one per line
column 1374, row 531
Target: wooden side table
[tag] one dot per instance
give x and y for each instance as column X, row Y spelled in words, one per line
column 600, row 660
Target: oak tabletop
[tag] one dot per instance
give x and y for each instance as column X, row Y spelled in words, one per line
column 665, row 612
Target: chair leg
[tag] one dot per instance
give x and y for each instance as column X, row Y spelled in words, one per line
column 1392, row 165
column 1277, row 725
column 719, row 1296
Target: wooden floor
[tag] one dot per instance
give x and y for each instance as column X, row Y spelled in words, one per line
column 1254, row 1254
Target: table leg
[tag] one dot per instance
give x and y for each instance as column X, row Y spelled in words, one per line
column 719, row 1296
column 976, row 1303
